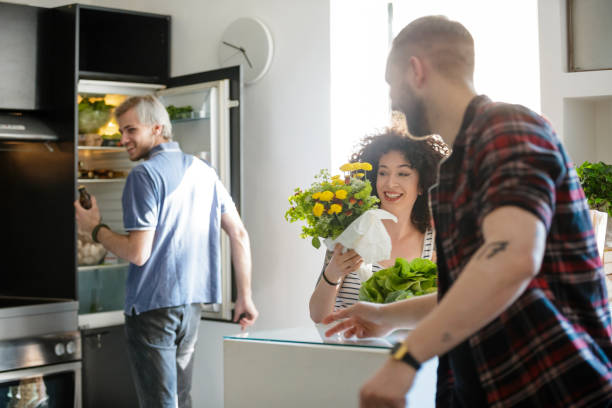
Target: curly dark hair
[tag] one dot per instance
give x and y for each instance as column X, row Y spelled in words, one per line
column 423, row 157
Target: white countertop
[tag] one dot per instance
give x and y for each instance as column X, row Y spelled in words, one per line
column 315, row 335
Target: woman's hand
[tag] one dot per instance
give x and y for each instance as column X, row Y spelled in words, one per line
column 363, row 319
column 342, row 264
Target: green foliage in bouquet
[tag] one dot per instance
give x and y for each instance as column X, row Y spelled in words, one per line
column 332, row 203
column 596, row 180
column 401, row 281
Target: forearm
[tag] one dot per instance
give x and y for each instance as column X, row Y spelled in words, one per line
column 322, row 300
column 483, row 291
column 122, row 246
column 406, row 314
column 241, row 259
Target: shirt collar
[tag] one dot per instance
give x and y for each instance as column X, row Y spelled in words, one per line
column 468, row 117
column 164, row 147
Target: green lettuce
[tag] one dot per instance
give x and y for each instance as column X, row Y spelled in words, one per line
column 401, row 281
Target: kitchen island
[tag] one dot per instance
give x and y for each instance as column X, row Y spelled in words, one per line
column 299, row 367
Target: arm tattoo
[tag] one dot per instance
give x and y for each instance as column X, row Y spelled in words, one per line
column 446, row 337
column 490, row 250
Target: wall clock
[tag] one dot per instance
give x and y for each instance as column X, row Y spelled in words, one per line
column 247, row 42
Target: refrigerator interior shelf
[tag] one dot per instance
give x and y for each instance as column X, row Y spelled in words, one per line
column 84, row 268
column 103, row 148
column 110, row 180
column 186, row 117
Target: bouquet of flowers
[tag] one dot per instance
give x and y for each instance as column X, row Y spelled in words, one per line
column 332, row 203
column 341, row 210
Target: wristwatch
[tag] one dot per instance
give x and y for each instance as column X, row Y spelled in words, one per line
column 400, row 352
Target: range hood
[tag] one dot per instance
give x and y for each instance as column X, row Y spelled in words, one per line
column 24, row 126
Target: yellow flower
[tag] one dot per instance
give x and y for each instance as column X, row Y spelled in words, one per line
column 318, row 208
column 341, row 194
column 359, row 175
column 346, row 167
column 316, row 195
column 326, row 195
column 337, row 176
column 337, row 182
column 363, row 166
column 335, row 208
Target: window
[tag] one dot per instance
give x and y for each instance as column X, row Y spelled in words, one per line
column 507, row 57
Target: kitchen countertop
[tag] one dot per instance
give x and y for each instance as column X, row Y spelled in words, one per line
column 301, row 368
column 315, row 335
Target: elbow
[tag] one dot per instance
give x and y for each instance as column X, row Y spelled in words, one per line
column 241, row 234
column 525, row 266
column 316, row 314
column 140, row 258
column 531, row 262
column 239, row 237
column 316, row 318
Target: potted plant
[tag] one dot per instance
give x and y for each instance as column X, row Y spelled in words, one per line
column 596, row 180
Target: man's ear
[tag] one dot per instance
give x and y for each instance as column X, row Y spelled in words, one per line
column 157, row 129
column 417, row 69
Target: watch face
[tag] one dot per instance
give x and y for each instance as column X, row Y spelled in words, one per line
column 396, row 347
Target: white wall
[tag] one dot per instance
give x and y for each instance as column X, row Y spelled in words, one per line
column 577, row 103
column 286, row 130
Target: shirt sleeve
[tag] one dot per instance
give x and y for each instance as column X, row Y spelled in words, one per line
column 140, row 203
column 518, row 164
column 226, row 203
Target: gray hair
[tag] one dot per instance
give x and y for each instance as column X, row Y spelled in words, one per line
column 150, row 112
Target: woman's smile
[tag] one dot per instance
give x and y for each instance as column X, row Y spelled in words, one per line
column 392, row 196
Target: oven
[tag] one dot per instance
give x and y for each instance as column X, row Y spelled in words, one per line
column 40, row 354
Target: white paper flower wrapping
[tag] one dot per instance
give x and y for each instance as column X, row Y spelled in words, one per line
column 368, row 237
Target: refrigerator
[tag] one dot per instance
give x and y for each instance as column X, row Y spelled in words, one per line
column 209, row 129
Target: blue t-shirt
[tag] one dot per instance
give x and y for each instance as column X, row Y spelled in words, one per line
column 181, row 198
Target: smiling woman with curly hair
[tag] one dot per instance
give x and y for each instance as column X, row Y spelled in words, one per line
column 403, row 171
column 423, row 157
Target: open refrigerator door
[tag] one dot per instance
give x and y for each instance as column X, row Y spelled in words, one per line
column 206, row 123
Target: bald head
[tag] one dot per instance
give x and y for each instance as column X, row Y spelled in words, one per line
column 447, row 44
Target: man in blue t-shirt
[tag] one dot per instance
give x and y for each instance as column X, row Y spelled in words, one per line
column 174, row 207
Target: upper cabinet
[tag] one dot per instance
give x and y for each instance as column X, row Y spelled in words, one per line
column 122, row 45
column 20, row 63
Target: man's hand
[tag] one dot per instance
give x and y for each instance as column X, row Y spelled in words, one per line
column 87, row 219
column 388, row 387
column 363, row 319
column 245, row 312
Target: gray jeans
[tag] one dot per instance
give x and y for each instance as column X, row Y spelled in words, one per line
column 161, row 345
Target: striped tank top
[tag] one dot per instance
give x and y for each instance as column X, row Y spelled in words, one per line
column 349, row 291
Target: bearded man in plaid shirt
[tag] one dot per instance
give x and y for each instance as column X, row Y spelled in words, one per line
column 522, row 318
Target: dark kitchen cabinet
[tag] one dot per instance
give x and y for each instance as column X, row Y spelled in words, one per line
column 107, row 380
column 122, row 45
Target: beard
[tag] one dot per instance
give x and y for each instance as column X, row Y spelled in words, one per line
column 416, row 118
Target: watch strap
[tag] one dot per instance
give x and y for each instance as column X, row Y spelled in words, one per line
column 400, row 352
column 94, row 233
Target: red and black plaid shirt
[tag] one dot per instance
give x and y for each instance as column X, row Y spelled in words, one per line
column 553, row 346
